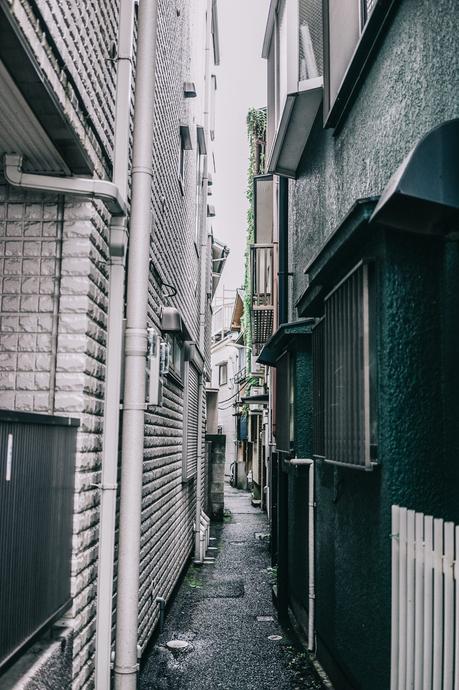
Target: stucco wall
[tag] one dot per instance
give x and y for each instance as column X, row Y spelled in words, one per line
column 411, row 87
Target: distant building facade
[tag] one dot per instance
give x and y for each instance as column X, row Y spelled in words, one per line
column 362, row 126
column 63, row 263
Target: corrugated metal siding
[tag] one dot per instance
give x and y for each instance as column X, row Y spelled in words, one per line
column 36, row 507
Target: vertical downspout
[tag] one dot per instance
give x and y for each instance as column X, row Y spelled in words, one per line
column 283, row 250
column 126, row 663
column 282, row 475
column 118, row 240
column 198, row 555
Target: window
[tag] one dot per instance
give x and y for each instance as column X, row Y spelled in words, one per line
column 176, row 355
column 285, row 404
column 344, row 417
column 213, row 91
column 200, row 152
column 351, row 31
column 190, row 422
column 293, row 47
column 223, row 374
column 185, row 145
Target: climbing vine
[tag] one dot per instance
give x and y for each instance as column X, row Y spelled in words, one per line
column 256, row 130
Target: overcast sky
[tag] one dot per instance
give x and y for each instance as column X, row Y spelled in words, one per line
column 241, row 83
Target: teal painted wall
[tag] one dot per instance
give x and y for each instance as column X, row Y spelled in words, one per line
column 298, row 483
column 411, row 87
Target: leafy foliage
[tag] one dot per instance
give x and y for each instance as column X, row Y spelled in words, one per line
column 256, row 130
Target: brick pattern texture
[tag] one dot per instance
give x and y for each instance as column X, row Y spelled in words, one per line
column 54, row 300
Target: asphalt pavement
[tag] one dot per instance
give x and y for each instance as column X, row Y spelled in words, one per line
column 224, row 613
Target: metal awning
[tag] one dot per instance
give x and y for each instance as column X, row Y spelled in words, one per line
column 256, row 399
column 282, row 338
column 423, row 194
column 295, row 125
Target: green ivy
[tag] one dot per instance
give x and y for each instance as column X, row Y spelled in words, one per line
column 256, row 129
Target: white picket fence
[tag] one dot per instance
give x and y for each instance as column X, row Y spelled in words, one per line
column 425, row 602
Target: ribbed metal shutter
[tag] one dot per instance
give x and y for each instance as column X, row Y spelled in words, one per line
column 347, row 371
column 192, row 417
column 283, row 403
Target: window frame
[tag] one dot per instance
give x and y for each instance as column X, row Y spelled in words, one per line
column 177, row 347
column 184, row 145
column 365, row 377
column 371, row 30
column 223, row 366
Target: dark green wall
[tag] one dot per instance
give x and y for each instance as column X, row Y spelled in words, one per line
column 417, row 337
column 298, row 483
column 411, row 87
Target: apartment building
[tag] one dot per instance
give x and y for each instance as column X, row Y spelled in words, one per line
column 104, row 207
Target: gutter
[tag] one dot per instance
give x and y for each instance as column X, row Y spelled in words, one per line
column 136, row 345
column 117, row 265
column 106, row 191
column 199, row 550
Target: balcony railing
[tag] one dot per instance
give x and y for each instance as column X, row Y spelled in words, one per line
column 262, row 274
column 37, row 464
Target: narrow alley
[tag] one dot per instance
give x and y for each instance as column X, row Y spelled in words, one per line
column 224, row 612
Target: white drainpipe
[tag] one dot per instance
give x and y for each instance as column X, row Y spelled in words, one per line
column 296, row 462
column 118, row 241
column 126, row 663
column 198, row 550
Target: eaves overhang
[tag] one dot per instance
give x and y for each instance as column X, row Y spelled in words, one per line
column 300, row 111
column 347, row 241
column 423, row 194
column 29, row 78
column 286, row 335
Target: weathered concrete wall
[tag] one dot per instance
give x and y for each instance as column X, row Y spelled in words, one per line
column 216, row 476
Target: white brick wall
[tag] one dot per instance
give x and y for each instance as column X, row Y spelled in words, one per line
column 54, row 272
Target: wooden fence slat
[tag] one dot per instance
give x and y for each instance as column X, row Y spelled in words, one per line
column 402, row 600
column 410, row 594
column 448, row 644
column 456, row 646
column 438, row 606
column 395, row 597
column 428, row 602
column 419, row 603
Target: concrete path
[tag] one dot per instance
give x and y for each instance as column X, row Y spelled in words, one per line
column 225, row 613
